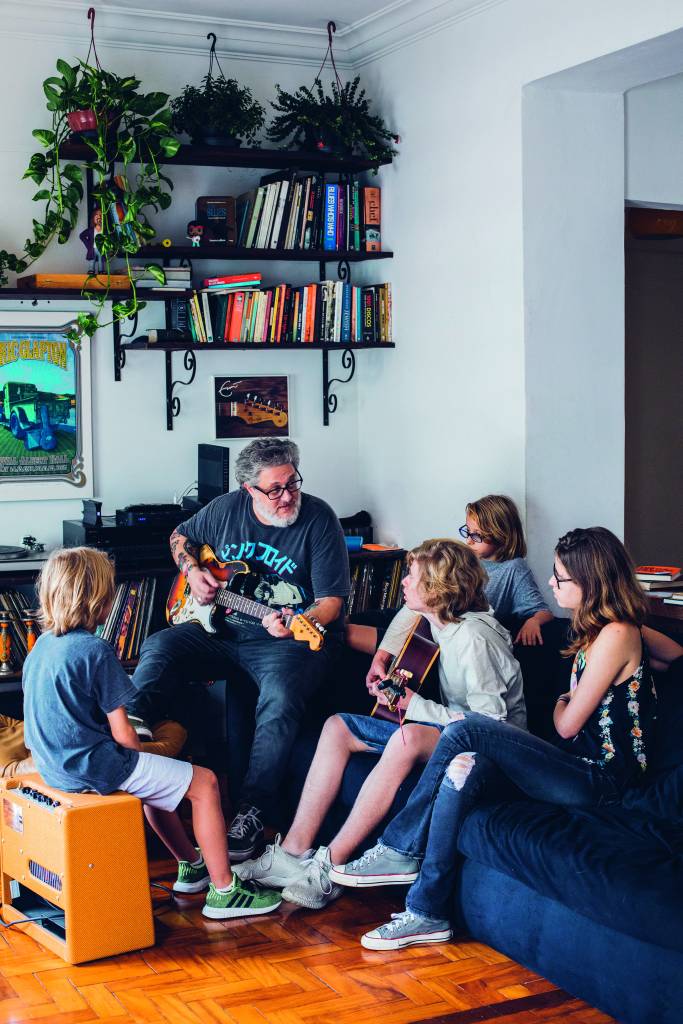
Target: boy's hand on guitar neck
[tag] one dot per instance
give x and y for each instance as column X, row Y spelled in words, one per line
column 202, row 584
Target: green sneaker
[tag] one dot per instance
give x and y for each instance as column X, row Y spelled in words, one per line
column 240, row 900
column 192, row 877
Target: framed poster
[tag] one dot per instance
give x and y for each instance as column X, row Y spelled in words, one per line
column 251, row 406
column 45, row 410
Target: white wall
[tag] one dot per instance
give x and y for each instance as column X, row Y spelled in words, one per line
column 654, row 143
column 136, row 459
column 446, row 421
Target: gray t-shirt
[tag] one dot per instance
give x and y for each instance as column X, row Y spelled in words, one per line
column 512, row 590
column 292, row 565
column 71, row 683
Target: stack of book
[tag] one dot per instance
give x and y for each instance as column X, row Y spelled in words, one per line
column 236, row 309
column 293, row 211
column 661, row 581
column 177, row 279
column 128, row 621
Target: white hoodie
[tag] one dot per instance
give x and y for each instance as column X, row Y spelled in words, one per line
column 477, row 669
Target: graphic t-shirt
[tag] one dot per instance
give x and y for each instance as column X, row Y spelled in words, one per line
column 71, row 683
column 291, row 565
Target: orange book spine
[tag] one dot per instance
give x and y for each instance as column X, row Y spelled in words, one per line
column 372, row 218
column 236, row 317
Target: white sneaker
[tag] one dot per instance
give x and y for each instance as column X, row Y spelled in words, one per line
column 275, row 867
column 313, row 888
column 406, row 929
column 380, row 865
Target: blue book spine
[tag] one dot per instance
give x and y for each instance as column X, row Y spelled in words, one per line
column 331, row 201
column 346, row 313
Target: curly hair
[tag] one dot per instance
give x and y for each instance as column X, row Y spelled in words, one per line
column 452, row 578
column 498, row 520
column 263, row 453
column 599, row 563
column 75, row 589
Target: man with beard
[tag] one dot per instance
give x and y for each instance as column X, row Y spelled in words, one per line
column 284, row 536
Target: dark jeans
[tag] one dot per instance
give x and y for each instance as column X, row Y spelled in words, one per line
column 505, row 758
column 286, row 673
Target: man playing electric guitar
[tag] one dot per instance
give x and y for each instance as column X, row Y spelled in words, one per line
column 294, row 546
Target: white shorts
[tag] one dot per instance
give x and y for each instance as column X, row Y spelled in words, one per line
column 159, row 781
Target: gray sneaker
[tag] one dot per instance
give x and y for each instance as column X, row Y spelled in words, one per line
column 378, row 866
column 406, row 929
column 313, row 888
column 275, row 867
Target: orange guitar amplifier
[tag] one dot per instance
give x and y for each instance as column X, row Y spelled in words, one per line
column 76, row 865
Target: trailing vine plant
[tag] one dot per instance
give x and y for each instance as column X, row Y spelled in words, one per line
column 131, row 127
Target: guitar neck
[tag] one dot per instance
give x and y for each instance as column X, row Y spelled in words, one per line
column 226, row 599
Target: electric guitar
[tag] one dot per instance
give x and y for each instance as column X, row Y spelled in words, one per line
column 252, row 410
column 182, row 606
column 411, row 664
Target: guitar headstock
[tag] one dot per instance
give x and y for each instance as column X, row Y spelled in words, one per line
column 309, row 631
column 252, row 410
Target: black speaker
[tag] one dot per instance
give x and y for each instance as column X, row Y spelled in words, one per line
column 213, row 462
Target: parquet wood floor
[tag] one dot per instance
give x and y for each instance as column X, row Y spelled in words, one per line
column 294, row 967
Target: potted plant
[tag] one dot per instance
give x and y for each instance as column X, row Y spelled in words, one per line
column 129, row 126
column 220, row 112
column 340, row 122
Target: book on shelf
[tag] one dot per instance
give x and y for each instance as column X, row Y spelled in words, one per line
column 372, row 219
column 376, row 583
column 662, row 573
column 236, row 310
column 675, row 598
column 128, row 622
column 653, row 586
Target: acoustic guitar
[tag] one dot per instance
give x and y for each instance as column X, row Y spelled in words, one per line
column 234, row 577
column 411, row 664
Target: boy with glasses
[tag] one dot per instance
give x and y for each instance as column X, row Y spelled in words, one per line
column 295, row 545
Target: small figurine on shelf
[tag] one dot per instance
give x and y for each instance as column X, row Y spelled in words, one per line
column 28, row 619
column 5, row 644
column 89, row 239
column 195, row 231
column 166, row 243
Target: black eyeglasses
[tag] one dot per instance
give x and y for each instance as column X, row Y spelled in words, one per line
column 465, row 532
column 275, row 493
column 561, row 579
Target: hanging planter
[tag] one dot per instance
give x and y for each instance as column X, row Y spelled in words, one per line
column 219, row 113
column 123, row 126
column 339, row 122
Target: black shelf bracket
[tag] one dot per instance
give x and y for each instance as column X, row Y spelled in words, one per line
column 329, row 399
column 173, row 401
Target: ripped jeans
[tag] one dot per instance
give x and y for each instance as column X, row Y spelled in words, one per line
column 428, row 827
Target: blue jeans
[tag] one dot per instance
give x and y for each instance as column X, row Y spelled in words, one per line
column 285, row 671
column 428, row 827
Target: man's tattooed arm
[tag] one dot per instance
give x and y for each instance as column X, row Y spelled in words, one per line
column 185, row 553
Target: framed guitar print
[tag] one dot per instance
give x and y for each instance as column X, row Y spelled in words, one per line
column 45, row 411
column 246, row 407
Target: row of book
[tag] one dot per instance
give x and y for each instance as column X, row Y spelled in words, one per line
column 177, row 278
column 326, row 311
column 293, row 211
column 376, row 584
column 16, row 603
column 128, row 622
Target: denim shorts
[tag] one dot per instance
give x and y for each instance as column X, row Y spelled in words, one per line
column 376, row 732
column 159, row 781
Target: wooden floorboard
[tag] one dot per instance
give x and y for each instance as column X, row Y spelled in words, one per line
column 295, row 967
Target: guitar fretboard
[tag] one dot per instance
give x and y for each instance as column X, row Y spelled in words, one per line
column 227, row 599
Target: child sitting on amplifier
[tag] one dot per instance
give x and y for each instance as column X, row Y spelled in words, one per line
column 78, row 731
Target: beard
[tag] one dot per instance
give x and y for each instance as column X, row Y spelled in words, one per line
column 272, row 517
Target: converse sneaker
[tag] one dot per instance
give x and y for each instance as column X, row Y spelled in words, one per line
column 313, row 888
column 245, row 835
column 241, row 899
column 141, row 728
column 406, row 929
column 378, row 866
column 192, row 877
column 275, row 867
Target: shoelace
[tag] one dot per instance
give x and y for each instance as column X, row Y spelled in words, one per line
column 242, row 821
column 368, row 856
column 317, row 871
column 398, row 920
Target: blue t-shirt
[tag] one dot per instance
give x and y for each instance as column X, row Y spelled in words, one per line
column 71, row 683
column 512, row 589
column 293, row 565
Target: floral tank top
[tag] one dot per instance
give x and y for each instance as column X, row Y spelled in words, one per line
column 618, row 734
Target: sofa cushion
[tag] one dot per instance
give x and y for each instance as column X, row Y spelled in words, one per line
column 610, row 865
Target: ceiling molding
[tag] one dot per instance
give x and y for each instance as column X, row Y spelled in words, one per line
column 392, row 27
